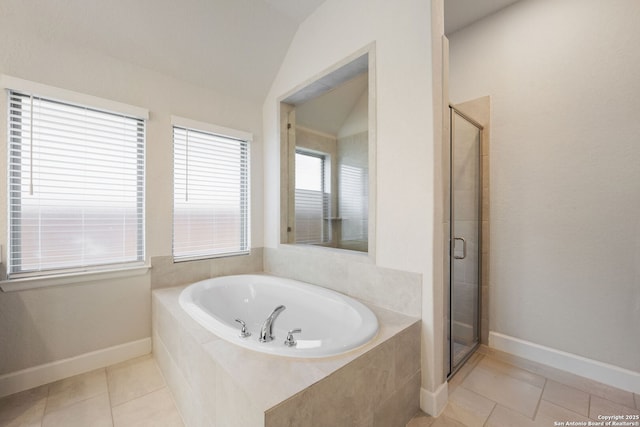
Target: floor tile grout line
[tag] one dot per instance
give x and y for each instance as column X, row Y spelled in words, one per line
column 520, row 368
column 106, row 374
column 566, row 378
column 567, row 385
column 617, row 403
column 159, row 371
column 140, row 396
column 165, row 385
column 175, row 404
column 603, row 395
column 461, row 379
column 565, row 408
column 543, row 388
column 564, row 383
column 46, row 406
column 173, row 398
column 535, row 413
column 495, row 405
column 66, row 407
column 107, row 392
column 78, row 401
column 46, row 403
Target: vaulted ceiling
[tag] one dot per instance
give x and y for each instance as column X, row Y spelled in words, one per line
column 232, row 46
column 461, row 13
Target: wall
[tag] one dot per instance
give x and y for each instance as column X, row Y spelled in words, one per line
column 404, row 150
column 434, row 401
column 45, row 325
column 565, row 229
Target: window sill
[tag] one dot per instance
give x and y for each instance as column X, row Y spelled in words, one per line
column 211, row 257
column 26, row 283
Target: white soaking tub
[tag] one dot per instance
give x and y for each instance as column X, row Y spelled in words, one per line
column 331, row 323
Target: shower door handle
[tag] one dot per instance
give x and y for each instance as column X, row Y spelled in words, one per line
column 464, row 248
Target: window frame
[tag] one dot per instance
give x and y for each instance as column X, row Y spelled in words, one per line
column 220, row 132
column 54, row 276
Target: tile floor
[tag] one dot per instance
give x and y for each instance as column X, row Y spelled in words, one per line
column 489, row 392
column 132, row 393
column 486, row 392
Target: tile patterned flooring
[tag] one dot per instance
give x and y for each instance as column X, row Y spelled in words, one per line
column 486, row 392
column 132, row 393
column 492, row 393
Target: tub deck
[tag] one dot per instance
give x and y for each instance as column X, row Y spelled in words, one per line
column 217, row 383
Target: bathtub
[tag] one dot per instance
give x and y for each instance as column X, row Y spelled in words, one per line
column 331, row 323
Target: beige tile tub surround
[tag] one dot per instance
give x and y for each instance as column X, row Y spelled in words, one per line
column 350, row 273
column 215, row 382
column 166, row 273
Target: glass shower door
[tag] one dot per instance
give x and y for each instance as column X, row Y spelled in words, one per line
column 465, row 245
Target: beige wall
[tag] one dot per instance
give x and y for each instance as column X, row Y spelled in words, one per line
column 565, row 201
column 404, row 150
column 437, row 297
column 43, row 325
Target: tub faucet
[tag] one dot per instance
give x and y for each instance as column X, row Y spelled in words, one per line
column 266, row 331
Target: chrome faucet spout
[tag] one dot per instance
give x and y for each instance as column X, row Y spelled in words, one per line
column 266, row 331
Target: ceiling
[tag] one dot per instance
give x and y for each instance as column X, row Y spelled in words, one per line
column 232, row 46
column 461, row 13
column 328, row 112
column 298, row 10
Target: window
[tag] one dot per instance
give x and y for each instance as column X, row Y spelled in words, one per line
column 76, row 187
column 354, row 202
column 210, row 194
column 311, row 198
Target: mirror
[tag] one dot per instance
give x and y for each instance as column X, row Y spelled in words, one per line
column 327, row 153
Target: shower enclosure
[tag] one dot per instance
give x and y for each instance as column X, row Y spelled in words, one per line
column 463, row 315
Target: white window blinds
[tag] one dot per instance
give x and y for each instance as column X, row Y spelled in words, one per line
column 210, row 196
column 76, row 187
column 311, row 199
column 354, row 202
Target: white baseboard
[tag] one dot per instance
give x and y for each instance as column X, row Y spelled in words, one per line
column 25, row 379
column 598, row 371
column 433, row 403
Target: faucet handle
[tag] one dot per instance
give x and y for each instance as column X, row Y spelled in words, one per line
column 243, row 332
column 289, row 341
